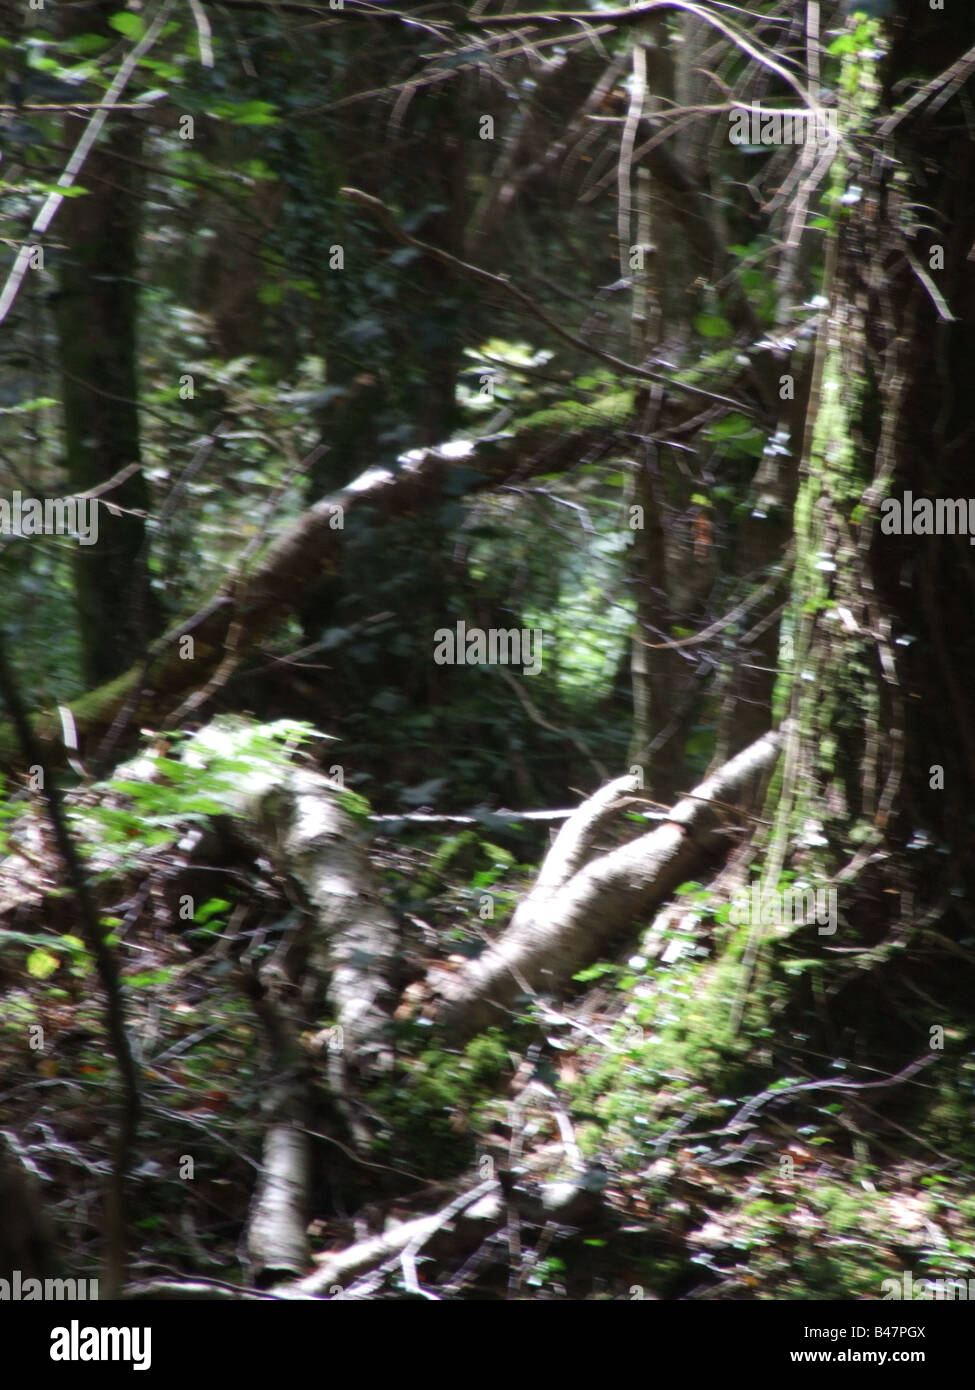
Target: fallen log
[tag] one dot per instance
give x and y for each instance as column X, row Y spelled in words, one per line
column 578, row 905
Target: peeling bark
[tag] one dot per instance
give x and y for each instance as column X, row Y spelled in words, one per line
column 353, row 945
column 571, row 913
column 277, row 1241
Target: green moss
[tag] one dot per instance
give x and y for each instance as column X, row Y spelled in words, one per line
column 450, row 849
column 354, row 805
column 88, row 707
column 720, row 361
column 105, row 697
column 613, row 409
column 434, row 1106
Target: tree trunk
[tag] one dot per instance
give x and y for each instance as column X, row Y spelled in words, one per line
column 95, row 315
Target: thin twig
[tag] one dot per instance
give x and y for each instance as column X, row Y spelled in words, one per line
column 382, row 214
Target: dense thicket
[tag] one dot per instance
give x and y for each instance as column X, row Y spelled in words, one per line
column 629, row 334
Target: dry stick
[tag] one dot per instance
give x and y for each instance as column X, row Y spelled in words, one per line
column 771, row 1094
column 952, row 77
column 234, row 656
column 139, row 603
column 637, row 12
column 227, row 596
column 82, row 150
column 762, row 592
column 446, row 1214
column 123, row 717
column 381, row 213
column 117, row 479
column 432, row 77
column 107, row 967
column 537, row 718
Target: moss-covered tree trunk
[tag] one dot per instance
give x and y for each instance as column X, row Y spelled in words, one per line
column 878, row 649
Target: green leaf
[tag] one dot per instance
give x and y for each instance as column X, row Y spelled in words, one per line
column 41, row 963
column 593, row 972
column 846, row 43
column 246, row 112
column 86, row 43
column 149, row 977
column 38, row 403
column 712, row 326
column 167, row 72
column 210, row 909
column 75, row 191
column 25, row 938
column 131, row 26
